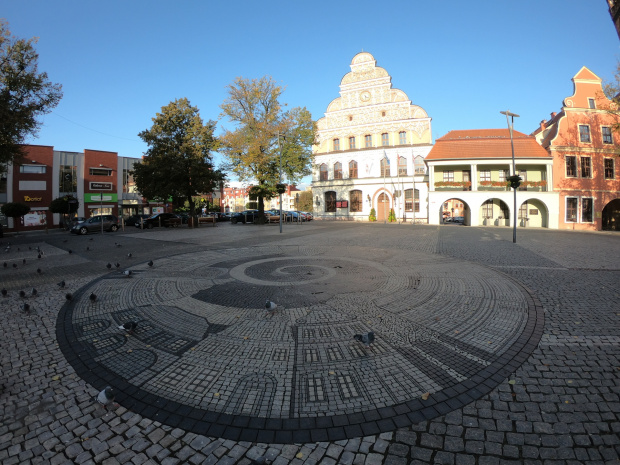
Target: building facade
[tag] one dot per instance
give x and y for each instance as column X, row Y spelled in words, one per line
column 370, row 150
column 101, row 181
column 585, row 151
column 468, row 171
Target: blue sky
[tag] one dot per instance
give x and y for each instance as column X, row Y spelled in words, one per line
column 120, row 61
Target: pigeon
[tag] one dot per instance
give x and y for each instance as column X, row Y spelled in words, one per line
column 270, row 306
column 129, row 255
column 14, row 265
column 26, row 307
column 6, row 264
column 117, row 265
column 127, row 273
column 5, row 293
column 69, row 296
column 92, row 297
column 87, row 248
column 70, row 251
column 39, row 256
column 24, row 261
column 117, row 244
column 109, row 266
column 22, row 294
column 34, row 292
column 62, row 284
column 129, row 326
column 106, row 397
column 39, row 270
column 365, row 339
column 150, row 263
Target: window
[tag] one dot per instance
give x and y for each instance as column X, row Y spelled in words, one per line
column 368, row 140
column 336, row 144
column 448, row 176
column 330, row 201
column 586, row 167
column 523, row 175
column 609, row 168
column 100, row 172
column 503, row 174
column 584, row 133
column 607, row 139
column 586, row 209
column 33, row 169
column 385, row 167
column 402, row 137
column 571, row 209
column 355, row 199
column 385, row 139
column 402, row 166
column 351, row 143
column 487, row 209
column 485, row 175
column 337, row 170
column 323, row 176
column 591, row 103
column 409, row 201
column 571, row 166
column 67, row 178
column 420, row 166
column 523, row 209
column 352, row 169
column 129, row 185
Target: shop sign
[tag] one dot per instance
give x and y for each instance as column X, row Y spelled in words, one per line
column 158, row 210
column 342, row 204
column 100, row 186
column 27, row 198
column 100, row 197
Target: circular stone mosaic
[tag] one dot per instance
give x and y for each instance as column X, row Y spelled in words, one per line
column 208, row 356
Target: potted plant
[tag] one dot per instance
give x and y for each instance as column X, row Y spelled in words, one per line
column 392, row 216
column 373, row 215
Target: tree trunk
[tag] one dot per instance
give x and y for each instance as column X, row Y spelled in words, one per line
column 192, row 212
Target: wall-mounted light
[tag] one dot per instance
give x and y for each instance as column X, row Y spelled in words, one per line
column 33, row 161
column 100, row 165
column 368, row 198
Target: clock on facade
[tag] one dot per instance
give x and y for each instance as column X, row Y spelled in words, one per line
column 365, row 96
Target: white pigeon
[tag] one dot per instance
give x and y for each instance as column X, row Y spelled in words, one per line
column 366, row 339
column 270, row 306
column 127, row 273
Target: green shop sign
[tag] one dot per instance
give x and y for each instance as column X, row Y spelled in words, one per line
column 89, row 198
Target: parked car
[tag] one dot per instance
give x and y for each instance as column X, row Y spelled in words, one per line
column 163, row 219
column 309, row 216
column 246, row 216
column 219, row 216
column 93, row 224
column 133, row 219
column 458, row 219
column 184, row 217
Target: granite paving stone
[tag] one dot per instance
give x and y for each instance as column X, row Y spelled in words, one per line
column 557, row 405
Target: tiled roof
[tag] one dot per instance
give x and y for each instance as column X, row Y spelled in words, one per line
column 485, row 143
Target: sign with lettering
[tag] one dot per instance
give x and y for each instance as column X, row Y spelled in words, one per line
column 27, row 198
column 100, row 186
column 342, row 204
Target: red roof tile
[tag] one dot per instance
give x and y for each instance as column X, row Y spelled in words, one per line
column 485, row 143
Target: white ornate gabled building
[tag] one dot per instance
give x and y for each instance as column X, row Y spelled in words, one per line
column 370, row 150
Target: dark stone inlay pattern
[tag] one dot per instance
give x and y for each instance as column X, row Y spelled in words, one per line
column 207, row 357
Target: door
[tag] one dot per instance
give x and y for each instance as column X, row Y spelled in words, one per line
column 383, row 207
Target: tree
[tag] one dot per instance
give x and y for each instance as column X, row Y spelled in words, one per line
column 65, row 205
column 263, row 132
column 178, row 162
column 25, row 93
column 15, row 210
column 611, row 89
column 304, row 202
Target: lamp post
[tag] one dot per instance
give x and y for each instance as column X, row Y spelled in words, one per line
column 514, row 179
column 280, row 177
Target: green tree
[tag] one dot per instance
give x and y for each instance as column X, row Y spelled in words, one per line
column 178, row 162
column 262, row 132
column 15, row 210
column 304, row 201
column 25, row 93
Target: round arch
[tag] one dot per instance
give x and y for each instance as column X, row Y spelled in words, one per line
column 533, row 213
column 454, row 207
column 611, row 216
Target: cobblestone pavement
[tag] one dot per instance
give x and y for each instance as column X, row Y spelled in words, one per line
column 445, row 293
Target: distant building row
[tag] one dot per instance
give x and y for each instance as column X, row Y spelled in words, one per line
column 374, row 154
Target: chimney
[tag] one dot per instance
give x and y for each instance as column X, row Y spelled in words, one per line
column 553, row 115
column 543, row 124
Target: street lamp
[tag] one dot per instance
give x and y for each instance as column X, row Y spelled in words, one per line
column 515, row 179
column 280, row 177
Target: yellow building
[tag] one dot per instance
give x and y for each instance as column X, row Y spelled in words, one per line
column 370, row 150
